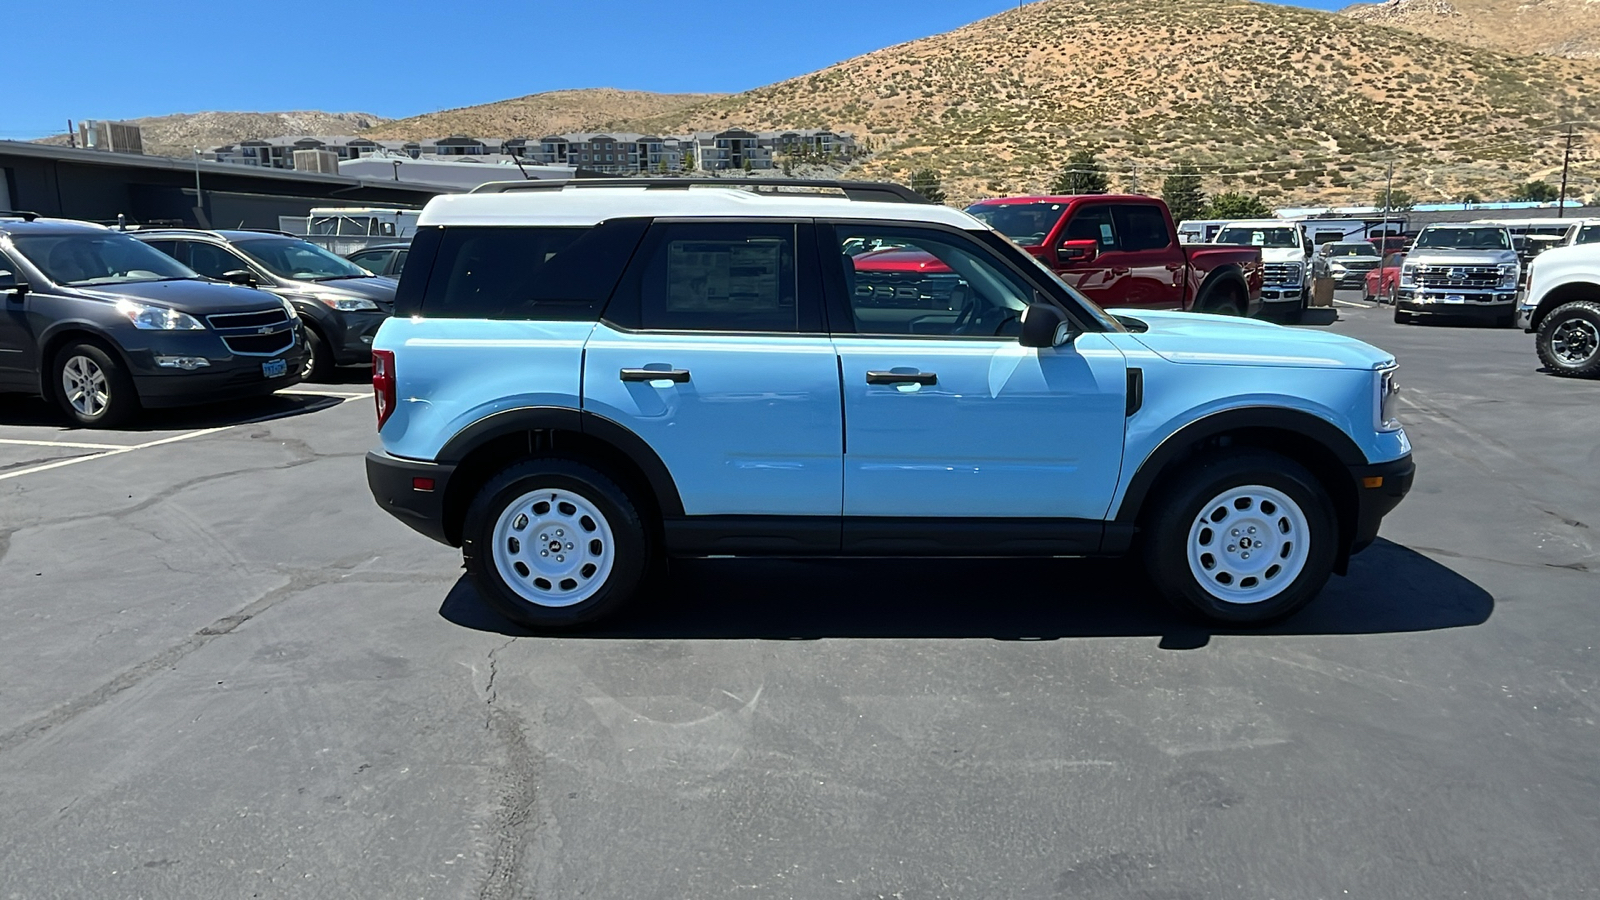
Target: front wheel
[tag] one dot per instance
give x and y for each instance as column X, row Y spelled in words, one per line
column 1245, row 538
column 92, row 387
column 553, row 543
column 1569, row 340
column 318, row 366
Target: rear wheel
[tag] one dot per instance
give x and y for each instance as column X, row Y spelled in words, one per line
column 1222, row 300
column 552, row 543
column 92, row 387
column 1246, row 538
column 1569, row 340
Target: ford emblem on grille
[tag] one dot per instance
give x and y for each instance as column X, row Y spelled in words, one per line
column 1458, row 274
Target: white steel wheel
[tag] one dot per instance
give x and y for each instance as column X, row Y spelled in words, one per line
column 553, row 547
column 1248, row 544
column 85, row 386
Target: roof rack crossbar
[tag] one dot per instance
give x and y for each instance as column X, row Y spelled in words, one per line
column 875, row 191
column 23, row 214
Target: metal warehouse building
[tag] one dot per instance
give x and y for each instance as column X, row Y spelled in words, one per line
column 98, row 186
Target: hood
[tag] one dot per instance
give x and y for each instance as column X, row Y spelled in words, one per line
column 1430, row 256
column 190, row 296
column 375, row 287
column 1200, row 339
column 1282, row 254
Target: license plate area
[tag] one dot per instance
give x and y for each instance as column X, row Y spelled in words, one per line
column 1455, row 298
column 275, row 368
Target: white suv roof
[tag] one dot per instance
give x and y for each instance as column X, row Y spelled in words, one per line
column 591, row 204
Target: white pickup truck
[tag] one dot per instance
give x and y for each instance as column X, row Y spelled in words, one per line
column 1562, row 307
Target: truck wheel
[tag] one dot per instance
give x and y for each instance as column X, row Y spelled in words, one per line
column 1402, row 318
column 1221, row 300
column 1569, row 340
column 1243, row 538
column 92, row 387
column 553, row 543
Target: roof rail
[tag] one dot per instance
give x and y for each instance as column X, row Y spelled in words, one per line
column 22, row 214
column 876, row 191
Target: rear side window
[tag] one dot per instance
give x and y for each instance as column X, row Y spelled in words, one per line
column 1141, row 227
column 557, row 273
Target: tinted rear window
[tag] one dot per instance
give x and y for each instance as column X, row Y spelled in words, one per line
column 560, row 273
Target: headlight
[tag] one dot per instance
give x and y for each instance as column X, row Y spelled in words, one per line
column 1336, row 268
column 1508, row 275
column 1388, row 406
column 157, row 318
column 289, row 309
column 1408, row 276
column 344, row 302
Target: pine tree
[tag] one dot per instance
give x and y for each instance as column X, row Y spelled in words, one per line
column 1183, row 194
column 1238, row 206
column 1083, row 175
column 926, row 182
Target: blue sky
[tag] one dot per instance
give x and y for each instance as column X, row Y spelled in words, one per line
column 114, row 59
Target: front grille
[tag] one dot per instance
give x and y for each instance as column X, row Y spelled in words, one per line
column 262, row 332
column 897, row 291
column 1283, row 274
column 1476, row 278
column 255, row 319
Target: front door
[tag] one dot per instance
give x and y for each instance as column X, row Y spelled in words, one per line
column 18, row 361
column 713, row 352
column 946, row 415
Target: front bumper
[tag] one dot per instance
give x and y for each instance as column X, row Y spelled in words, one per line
column 1469, row 304
column 1279, row 294
column 396, row 485
column 1379, row 489
column 1525, row 318
column 226, row 376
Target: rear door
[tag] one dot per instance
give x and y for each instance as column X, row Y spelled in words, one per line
column 1148, row 254
column 713, row 351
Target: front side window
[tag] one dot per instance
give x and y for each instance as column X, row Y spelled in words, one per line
column 299, row 260
column 212, row 261
column 908, row 281
column 80, row 260
column 720, row 277
column 1093, row 224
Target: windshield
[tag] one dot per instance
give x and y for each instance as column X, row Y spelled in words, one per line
column 300, row 260
column 1259, row 237
column 1351, row 250
column 1026, row 223
column 1020, row 256
column 1464, row 239
column 89, row 259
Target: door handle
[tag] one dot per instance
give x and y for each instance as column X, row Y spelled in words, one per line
column 677, row 376
column 902, row 378
column 1119, row 271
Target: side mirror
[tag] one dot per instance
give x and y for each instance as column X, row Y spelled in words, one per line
column 1078, row 252
column 1044, row 325
column 12, row 285
column 240, row 277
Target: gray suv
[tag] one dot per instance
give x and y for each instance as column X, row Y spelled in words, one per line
column 340, row 303
column 104, row 325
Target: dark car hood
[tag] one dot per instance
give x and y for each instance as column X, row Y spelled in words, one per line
column 190, row 296
column 375, row 287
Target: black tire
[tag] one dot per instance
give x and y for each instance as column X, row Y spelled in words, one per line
column 318, row 366
column 1402, row 318
column 1394, row 294
column 1567, row 342
column 114, row 403
column 1178, row 513
column 1221, row 299
column 631, row 544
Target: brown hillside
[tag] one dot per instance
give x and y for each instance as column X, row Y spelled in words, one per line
column 1552, row 27
column 178, row 134
column 537, row 115
column 1304, row 106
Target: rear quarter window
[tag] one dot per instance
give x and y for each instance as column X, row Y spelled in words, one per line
column 539, row 272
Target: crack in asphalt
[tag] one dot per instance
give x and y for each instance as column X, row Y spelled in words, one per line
column 514, row 819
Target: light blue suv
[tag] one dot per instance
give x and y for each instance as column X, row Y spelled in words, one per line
column 582, row 380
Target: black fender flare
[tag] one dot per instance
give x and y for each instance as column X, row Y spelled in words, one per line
column 1158, row 462
column 558, row 418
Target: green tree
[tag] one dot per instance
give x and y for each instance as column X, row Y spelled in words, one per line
column 1083, row 175
column 1398, row 200
column 688, row 160
column 748, row 166
column 1536, row 191
column 1471, row 199
column 1231, row 205
column 1183, row 194
column 926, row 182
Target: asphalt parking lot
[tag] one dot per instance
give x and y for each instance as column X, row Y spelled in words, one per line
column 225, row 673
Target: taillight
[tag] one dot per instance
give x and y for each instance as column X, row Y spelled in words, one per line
column 383, row 384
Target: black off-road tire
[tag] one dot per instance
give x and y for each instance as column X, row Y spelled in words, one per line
column 121, row 398
column 631, row 545
column 1564, row 323
column 1177, row 519
column 1221, row 299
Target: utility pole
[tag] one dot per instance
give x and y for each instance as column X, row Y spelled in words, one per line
column 1388, row 204
column 1566, row 159
column 199, row 201
column 72, row 135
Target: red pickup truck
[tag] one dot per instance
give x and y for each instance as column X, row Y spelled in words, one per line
column 1123, row 251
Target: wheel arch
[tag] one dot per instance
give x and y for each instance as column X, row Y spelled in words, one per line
column 1322, row 447
column 485, row 447
column 62, row 335
column 1561, row 295
column 1227, row 275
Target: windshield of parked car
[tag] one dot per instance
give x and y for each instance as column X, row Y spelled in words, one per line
column 1026, row 223
column 1464, row 239
column 1255, row 236
column 300, row 260
column 1361, row 249
column 85, row 259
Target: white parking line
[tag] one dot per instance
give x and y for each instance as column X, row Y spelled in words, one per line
column 1357, row 305
column 72, row 444
column 313, row 392
column 110, row 450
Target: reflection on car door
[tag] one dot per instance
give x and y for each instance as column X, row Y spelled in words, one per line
column 946, row 415
column 713, row 352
